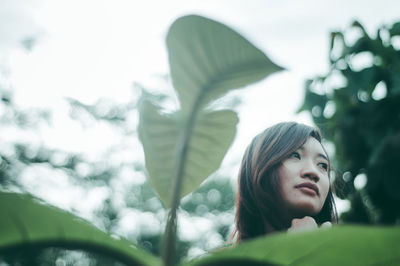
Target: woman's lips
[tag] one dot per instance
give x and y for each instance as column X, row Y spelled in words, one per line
column 308, row 188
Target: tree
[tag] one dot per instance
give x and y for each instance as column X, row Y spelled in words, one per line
column 357, row 106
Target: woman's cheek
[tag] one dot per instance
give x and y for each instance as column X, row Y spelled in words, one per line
column 325, row 191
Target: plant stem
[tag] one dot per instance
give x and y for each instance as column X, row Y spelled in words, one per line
column 169, row 245
column 169, row 242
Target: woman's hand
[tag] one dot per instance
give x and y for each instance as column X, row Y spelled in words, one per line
column 306, row 223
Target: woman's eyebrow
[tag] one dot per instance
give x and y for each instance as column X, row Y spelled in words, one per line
column 322, row 156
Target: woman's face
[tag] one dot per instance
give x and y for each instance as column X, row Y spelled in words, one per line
column 304, row 179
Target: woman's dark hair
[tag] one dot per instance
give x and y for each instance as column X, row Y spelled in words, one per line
column 258, row 210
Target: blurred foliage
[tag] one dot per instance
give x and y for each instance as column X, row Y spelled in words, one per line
column 15, row 156
column 56, row 256
column 19, row 157
column 130, row 209
column 357, row 106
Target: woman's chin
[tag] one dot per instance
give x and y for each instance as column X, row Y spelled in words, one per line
column 305, row 209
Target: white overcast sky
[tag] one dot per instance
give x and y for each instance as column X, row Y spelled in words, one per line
column 89, row 49
column 92, row 49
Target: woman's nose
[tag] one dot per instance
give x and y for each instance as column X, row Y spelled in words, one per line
column 309, row 170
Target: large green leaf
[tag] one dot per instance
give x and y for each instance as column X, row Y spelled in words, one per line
column 207, row 60
column 26, row 222
column 161, row 133
column 347, row 245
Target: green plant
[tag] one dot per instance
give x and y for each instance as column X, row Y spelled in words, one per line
column 360, row 116
column 181, row 149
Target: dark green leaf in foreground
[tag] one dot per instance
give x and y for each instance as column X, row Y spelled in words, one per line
column 25, row 223
column 344, row 245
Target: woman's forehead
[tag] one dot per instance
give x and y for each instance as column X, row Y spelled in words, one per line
column 314, row 146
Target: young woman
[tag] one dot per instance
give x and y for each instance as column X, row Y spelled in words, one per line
column 284, row 183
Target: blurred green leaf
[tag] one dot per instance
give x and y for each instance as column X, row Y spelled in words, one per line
column 215, row 195
column 27, row 223
column 312, row 99
column 347, row 245
column 363, row 80
column 395, row 30
column 160, row 134
column 208, row 59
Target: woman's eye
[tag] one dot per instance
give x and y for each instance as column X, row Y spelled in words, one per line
column 295, row 155
column 324, row 166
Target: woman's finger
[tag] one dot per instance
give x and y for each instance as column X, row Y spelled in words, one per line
column 326, row 225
